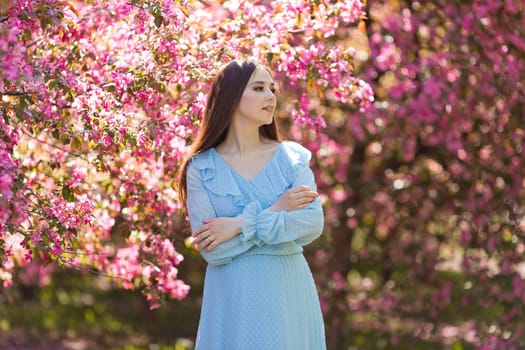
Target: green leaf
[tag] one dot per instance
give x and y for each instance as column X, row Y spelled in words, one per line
column 131, row 140
column 158, row 21
column 98, row 162
column 23, row 102
column 457, row 346
column 45, row 22
column 70, row 96
column 53, row 83
column 77, row 142
column 67, row 194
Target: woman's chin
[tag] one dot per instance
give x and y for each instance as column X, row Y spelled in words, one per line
column 269, row 121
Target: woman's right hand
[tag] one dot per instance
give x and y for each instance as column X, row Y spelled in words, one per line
column 295, row 198
column 215, row 231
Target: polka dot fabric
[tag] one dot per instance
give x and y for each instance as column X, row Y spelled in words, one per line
column 259, row 293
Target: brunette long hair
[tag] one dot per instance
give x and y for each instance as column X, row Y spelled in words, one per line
column 223, row 100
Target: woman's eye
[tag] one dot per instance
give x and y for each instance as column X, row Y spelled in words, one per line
column 261, row 88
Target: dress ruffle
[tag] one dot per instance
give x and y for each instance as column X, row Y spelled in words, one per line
column 222, row 184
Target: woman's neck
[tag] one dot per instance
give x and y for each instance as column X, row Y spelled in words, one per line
column 241, row 139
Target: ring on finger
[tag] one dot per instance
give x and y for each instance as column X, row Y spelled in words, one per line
column 210, row 239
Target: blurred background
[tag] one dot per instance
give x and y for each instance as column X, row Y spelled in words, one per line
column 414, row 112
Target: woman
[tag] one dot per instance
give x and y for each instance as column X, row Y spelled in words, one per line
column 252, row 205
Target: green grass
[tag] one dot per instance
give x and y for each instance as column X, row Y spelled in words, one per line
column 84, row 312
column 76, row 313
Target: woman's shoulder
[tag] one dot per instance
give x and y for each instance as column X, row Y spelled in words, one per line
column 296, row 151
column 202, row 160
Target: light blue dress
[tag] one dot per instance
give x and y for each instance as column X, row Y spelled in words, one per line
column 259, row 293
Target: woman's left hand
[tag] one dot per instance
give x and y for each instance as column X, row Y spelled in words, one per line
column 215, row 231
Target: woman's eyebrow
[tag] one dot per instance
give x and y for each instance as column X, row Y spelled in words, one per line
column 261, row 82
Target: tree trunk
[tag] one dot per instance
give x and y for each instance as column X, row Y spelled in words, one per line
column 340, row 257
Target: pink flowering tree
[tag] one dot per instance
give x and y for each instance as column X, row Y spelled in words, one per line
column 99, row 102
column 425, row 190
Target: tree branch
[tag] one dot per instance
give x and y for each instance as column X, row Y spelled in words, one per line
column 79, row 155
column 12, row 93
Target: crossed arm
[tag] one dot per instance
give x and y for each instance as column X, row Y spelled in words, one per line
column 296, row 216
column 215, row 231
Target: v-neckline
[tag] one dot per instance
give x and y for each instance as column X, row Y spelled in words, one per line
column 274, row 154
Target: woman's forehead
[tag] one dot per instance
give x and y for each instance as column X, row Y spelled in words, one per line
column 261, row 74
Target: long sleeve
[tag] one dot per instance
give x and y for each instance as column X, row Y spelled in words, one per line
column 264, row 226
column 199, row 209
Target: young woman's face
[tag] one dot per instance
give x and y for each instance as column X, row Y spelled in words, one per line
column 258, row 100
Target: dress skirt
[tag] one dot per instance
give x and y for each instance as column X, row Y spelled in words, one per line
column 261, row 302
